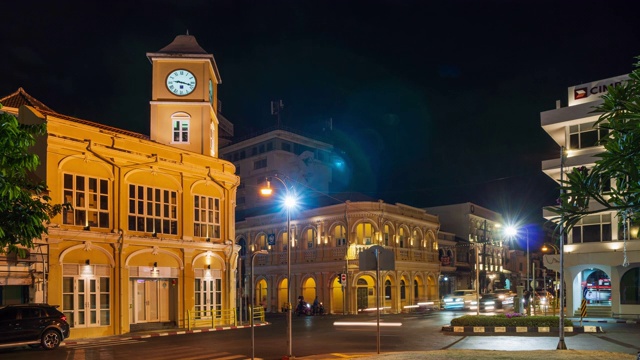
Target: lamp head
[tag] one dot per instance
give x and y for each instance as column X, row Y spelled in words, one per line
column 290, row 201
column 511, row 231
column 266, row 191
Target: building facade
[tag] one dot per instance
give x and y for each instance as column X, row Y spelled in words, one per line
column 329, row 241
column 479, row 242
column 305, row 160
column 149, row 240
column 600, row 265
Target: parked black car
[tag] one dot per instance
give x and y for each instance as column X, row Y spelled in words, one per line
column 32, row 324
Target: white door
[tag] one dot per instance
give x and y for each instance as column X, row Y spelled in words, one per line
column 205, row 290
column 151, row 300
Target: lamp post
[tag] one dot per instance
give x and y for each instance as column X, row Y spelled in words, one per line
column 512, row 231
column 253, row 295
column 289, row 202
column 561, row 344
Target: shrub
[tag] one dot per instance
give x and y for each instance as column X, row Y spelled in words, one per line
column 509, row 319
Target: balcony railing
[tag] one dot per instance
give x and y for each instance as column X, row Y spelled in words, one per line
column 351, row 253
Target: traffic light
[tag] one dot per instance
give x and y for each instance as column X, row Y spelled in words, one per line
column 340, row 278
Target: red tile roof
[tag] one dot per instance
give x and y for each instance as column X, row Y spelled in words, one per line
column 21, row 97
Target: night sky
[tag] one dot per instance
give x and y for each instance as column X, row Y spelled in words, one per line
column 434, row 102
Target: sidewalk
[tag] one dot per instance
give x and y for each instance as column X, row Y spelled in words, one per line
column 483, row 355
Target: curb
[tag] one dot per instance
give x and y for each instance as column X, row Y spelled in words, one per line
column 156, row 334
column 520, row 329
column 607, row 321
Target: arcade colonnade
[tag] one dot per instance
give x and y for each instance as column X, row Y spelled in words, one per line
column 327, row 242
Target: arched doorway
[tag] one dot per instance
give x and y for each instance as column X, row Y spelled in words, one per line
column 309, row 290
column 418, row 290
column 432, row 287
column 365, row 293
column 260, row 297
column 283, row 304
column 337, row 297
column 596, row 287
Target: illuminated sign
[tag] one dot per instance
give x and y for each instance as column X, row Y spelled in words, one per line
column 592, row 91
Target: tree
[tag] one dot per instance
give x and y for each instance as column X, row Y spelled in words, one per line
column 24, row 203
column 617, row 164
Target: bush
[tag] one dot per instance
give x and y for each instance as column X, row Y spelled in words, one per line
column 509, row 319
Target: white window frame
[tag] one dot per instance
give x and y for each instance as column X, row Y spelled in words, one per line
column 85, row 303
column 158, row 212
column 206, row 216
column 180, row 126
column 90, row 205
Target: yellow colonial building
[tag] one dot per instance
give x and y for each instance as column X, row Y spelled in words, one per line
column 327, row 246
column 150, row 235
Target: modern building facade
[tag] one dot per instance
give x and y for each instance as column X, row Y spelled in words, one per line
column 600, row 265
column 150, row 237
column 479, row 235
column 329, row 241
column 303, row 159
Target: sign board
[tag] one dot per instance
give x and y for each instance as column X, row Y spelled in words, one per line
column 271, row 239
column 343, row 279
column 369, row 259
column 592, row 91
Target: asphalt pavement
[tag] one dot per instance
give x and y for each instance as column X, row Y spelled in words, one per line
column 619, row 345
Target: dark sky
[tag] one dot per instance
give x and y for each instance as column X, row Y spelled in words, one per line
column 435, row 102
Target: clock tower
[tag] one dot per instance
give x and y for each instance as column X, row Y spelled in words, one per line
column 184, row 98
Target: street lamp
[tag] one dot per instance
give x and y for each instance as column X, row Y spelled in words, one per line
column 253, row 295
column 512, row 231
column 289, row 203
column 561, row 343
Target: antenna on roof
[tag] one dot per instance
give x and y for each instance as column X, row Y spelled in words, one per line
column 276, row 108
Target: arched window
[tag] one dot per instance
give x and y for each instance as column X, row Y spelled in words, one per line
column 403, row 290
column 387, row 235
column 340, row 235
column 387, row 289
column 308, row 237
column 261, row 243
column 415, row 289
column 401, row 237
column 630, row 287
column 364, row 233
column 180, row 125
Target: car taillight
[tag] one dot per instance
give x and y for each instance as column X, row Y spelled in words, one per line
column 63, row 318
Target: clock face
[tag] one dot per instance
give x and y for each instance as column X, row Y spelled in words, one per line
column 181, row 82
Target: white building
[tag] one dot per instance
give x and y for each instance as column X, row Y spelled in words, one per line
column 594, row 250
column 304, row 160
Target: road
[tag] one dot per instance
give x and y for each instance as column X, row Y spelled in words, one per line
column 318, row 335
